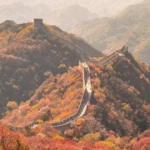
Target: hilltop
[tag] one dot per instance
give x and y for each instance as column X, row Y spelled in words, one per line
column 28, row 53
column 117, row 113
column 130, row 27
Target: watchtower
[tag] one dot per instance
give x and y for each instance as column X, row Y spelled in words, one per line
column 38, row 22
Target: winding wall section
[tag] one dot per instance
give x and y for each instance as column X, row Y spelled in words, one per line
column 85, row 99
column 88, row 87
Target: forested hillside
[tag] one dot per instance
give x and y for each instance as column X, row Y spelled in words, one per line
column 118, row 111
column 28, row 53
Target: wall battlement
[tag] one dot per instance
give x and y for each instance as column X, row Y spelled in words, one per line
column 38, row 22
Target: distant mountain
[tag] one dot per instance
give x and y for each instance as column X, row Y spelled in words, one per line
column 70, row 16
column 101, row 7
column 41, row 11
column 62, row 13
column 21, row 13
column 107, row 7
column 130, row 27
column 17, row 12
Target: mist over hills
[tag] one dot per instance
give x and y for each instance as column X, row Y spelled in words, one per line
column 70, row 16
column 63, row 13
column 21, row 13
column 130, row 27
column 101, row 7
column 66, row 18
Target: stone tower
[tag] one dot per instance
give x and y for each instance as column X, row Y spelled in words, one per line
column 38, row 23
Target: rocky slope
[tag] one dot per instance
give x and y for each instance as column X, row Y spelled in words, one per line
column 130, row 27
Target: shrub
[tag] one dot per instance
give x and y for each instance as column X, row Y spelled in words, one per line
column 11, row 105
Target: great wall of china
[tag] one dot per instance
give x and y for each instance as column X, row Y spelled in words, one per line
column 85, row 99
column 87, row 87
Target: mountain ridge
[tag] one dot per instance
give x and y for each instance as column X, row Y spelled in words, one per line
column 130, row 27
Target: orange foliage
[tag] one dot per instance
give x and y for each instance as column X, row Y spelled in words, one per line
column 10, row 140
column 66, row 144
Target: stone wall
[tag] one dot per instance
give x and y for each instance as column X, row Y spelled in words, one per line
column 83, row 73
column 85, row 99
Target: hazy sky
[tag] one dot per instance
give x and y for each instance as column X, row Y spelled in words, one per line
column 100, row 7
column 2, row 2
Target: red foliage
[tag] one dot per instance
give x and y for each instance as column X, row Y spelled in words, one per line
column 143, row 144
column 10, row 140
column 53, row 144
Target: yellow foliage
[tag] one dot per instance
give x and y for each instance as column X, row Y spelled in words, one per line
column 110, row 145
column 91, row 137
column 39, row 121
column 50, row 28
column 7, row 113
column 132, row 141
column 58, row 137
column 109, row 67
column 131, row 89
column 62, row 66
column 126, row 107
column 25, row 32
column 41, row 135
column 12, row 105
column 80, row 122
column 35, row 107
column 15, row 87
